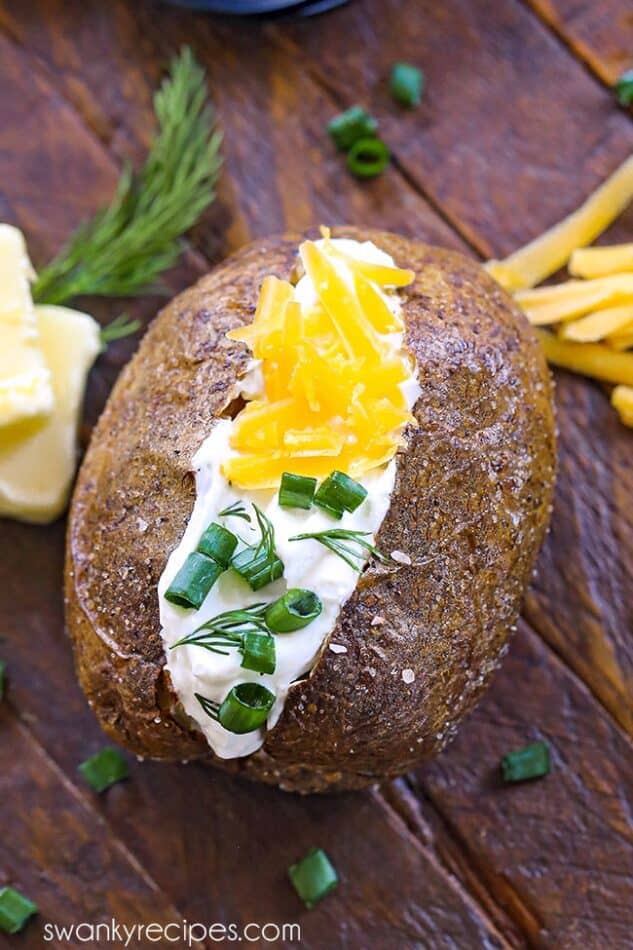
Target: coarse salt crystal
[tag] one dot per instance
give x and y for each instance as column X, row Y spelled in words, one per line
column 400, row 557
column 142, row 525
column 408, row 676
column 338, row 648
column 378, row 621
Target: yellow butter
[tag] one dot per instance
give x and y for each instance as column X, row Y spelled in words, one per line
column 38, row 456
column 25, row 383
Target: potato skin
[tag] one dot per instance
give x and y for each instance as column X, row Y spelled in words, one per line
column 471, row 505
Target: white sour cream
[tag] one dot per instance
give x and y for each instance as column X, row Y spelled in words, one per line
column 307, row 564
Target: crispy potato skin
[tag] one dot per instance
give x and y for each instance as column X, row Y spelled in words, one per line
column 471, row 505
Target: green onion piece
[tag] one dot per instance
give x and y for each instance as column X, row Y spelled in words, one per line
column 3, row 670
column 350, row 126
column 258, row 652
column 533, row 761
column 624, row 88
column 368, row 158
column 406, row 84
column 313, row 877
column 340, row 493
column 257, row 567
column 15, row 910
column 193, row 581
column 295, row 610
column 296, row 491
column 245, row 708
column 104, row 769
column 218, row 543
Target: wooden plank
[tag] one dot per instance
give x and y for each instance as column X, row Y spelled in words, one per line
column 160, row 813
column 562, row 847
column 58, row 852
column 601, row 34
column 281, row 170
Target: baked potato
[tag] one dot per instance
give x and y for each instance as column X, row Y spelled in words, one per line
column 421, row 634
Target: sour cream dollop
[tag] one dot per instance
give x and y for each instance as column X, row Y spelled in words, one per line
column 308, row 564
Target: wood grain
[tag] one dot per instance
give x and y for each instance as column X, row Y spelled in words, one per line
column 513, row 132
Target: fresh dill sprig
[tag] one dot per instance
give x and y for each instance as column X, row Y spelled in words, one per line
column 126, row 246
column 347, row 544
column 236, row 510
column 117, row 329
column 227, row 628
column 266, row 544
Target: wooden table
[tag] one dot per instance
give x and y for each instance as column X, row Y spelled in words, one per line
column 518, row 124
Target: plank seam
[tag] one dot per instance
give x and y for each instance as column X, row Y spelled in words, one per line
column 434, row 858
column 566, row 43
column 589, row 692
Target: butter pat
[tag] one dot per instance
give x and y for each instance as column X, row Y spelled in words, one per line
column 25, row 382
column 38, row 456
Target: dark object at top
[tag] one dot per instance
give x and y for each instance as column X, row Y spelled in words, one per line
column 261, row 7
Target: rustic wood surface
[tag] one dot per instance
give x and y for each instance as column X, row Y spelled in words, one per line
column 517, row 125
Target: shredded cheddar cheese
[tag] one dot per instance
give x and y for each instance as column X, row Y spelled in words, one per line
column 332, row 395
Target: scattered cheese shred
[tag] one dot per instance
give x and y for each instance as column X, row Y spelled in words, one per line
column 589, row 359
column 546, row 254
column 332, row 396
column 574, row 298
column 622, row 400
column 590, row 262
column 596, row 326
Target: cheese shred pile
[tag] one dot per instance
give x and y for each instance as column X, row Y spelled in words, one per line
column 589, row 317
column 332, row 374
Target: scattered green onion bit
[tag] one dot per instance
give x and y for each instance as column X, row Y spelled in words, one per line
column 295, row 610
column 406, row 84
column 368, row 157
column 339, row 493
column 296, row 491
column 533, row 761
column 193, row 581
column 15, row 910
column 104, row 769
column 3, row 670
column 313, row 877
column 218, row 543
column 348, row 127
column 624, row 88
column 244, row 709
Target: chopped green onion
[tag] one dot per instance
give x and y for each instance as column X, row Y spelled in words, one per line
column 296, row 491
column 350, row 126
column 15, row 910
column 259, row 564
column 347, row 544
column 3, row 670
column 533, row 761
column 258, row 652
column 243, row 710
column 368, row 158
column 193, row 581
column 295, row 610
column 104, row 769
column 218, row 543
column 257, row 569
column 339, row 493
column 313, row 877
column 624, row 88
column 406, row 84
column 236, row 510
